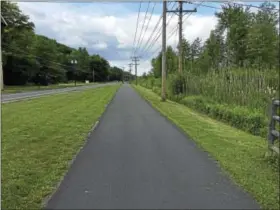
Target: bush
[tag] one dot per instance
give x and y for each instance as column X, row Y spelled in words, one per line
column 249, row 120
column 176, row 85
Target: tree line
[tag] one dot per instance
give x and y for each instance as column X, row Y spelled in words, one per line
column 241, row 39
column 31, row 58
column 234, row 75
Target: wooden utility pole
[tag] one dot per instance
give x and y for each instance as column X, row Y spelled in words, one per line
column 180, row 12
column 163, row 62
column 92, row 75
column 1, row 72
column 130, row 65
column 135, row 59
column 3, row 25
column 180, row 36
column 123, row 75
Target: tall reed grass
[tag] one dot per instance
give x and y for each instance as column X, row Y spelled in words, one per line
column 250, row 90
column 243, row 87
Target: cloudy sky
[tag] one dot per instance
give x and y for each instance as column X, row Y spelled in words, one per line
column 109, row 28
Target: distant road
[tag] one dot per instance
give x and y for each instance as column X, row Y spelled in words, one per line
column 5, row 98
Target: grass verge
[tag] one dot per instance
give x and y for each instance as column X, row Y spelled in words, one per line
column 40, row 137
column 26, row 88
column 240, row 154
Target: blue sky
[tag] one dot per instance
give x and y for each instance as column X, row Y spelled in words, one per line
column 108, row 28
column 128, row 7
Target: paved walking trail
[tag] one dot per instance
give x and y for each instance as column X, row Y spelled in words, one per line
column 136, row 159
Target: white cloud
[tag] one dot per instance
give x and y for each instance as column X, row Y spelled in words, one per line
column 102, row 31
column 100, row 45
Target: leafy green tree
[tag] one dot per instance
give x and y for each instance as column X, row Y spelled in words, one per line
column 101, row 68
column 263, row 37
column 235, row 21
column 115, row 74
column 28, row 57
column 186, row 51
column 156, row 65
column 171, row 60
column 16, row 39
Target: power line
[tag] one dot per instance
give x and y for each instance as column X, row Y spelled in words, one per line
column 137, row 26
column 244, row 5
column 204, row 5
column 250, row 5
column 157, row 24
column 159, row 33
column 175, row 29
column 147, row 24
column 142, row 27
column 148, row 45
column 159, row 36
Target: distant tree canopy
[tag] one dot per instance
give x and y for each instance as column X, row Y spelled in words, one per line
column 241, row 39
column 31, row 58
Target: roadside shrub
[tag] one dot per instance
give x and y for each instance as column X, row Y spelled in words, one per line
column 176, row 85
column 249, row 120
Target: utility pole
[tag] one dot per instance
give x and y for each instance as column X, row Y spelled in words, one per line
column 1, row 72
column 74, row 62
column 180, row 36
column 93, row 75
column 135, row 59
column 130, row 65
column 3, row 25
column 180, row 12
column 123, row 75
column 163, row 62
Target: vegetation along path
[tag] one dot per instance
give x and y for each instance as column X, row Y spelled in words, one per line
column 137, row 159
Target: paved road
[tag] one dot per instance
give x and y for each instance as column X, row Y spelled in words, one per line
column 136, row 159
column 5, row 98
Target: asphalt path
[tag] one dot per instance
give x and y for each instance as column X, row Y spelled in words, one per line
column 5, row 98
column 136, row 159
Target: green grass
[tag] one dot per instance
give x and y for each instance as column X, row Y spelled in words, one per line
column 20, row 89
column 240, row 154
column 40, row 137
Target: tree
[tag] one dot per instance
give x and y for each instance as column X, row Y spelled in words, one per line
column 171, row 60
column 28, row 57
column 100, row 67
column 263, row 38
column 186, row 51
column 235, row 21
column 241, row 39
column 16, row 39
column 156, row 65
column 195, row 50
column 115, row 74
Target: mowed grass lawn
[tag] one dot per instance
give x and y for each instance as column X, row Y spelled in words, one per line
column 240, row 154
column 40, row 137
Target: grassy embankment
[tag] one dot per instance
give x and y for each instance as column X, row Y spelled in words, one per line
column 40, row 137
column 240, row 154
